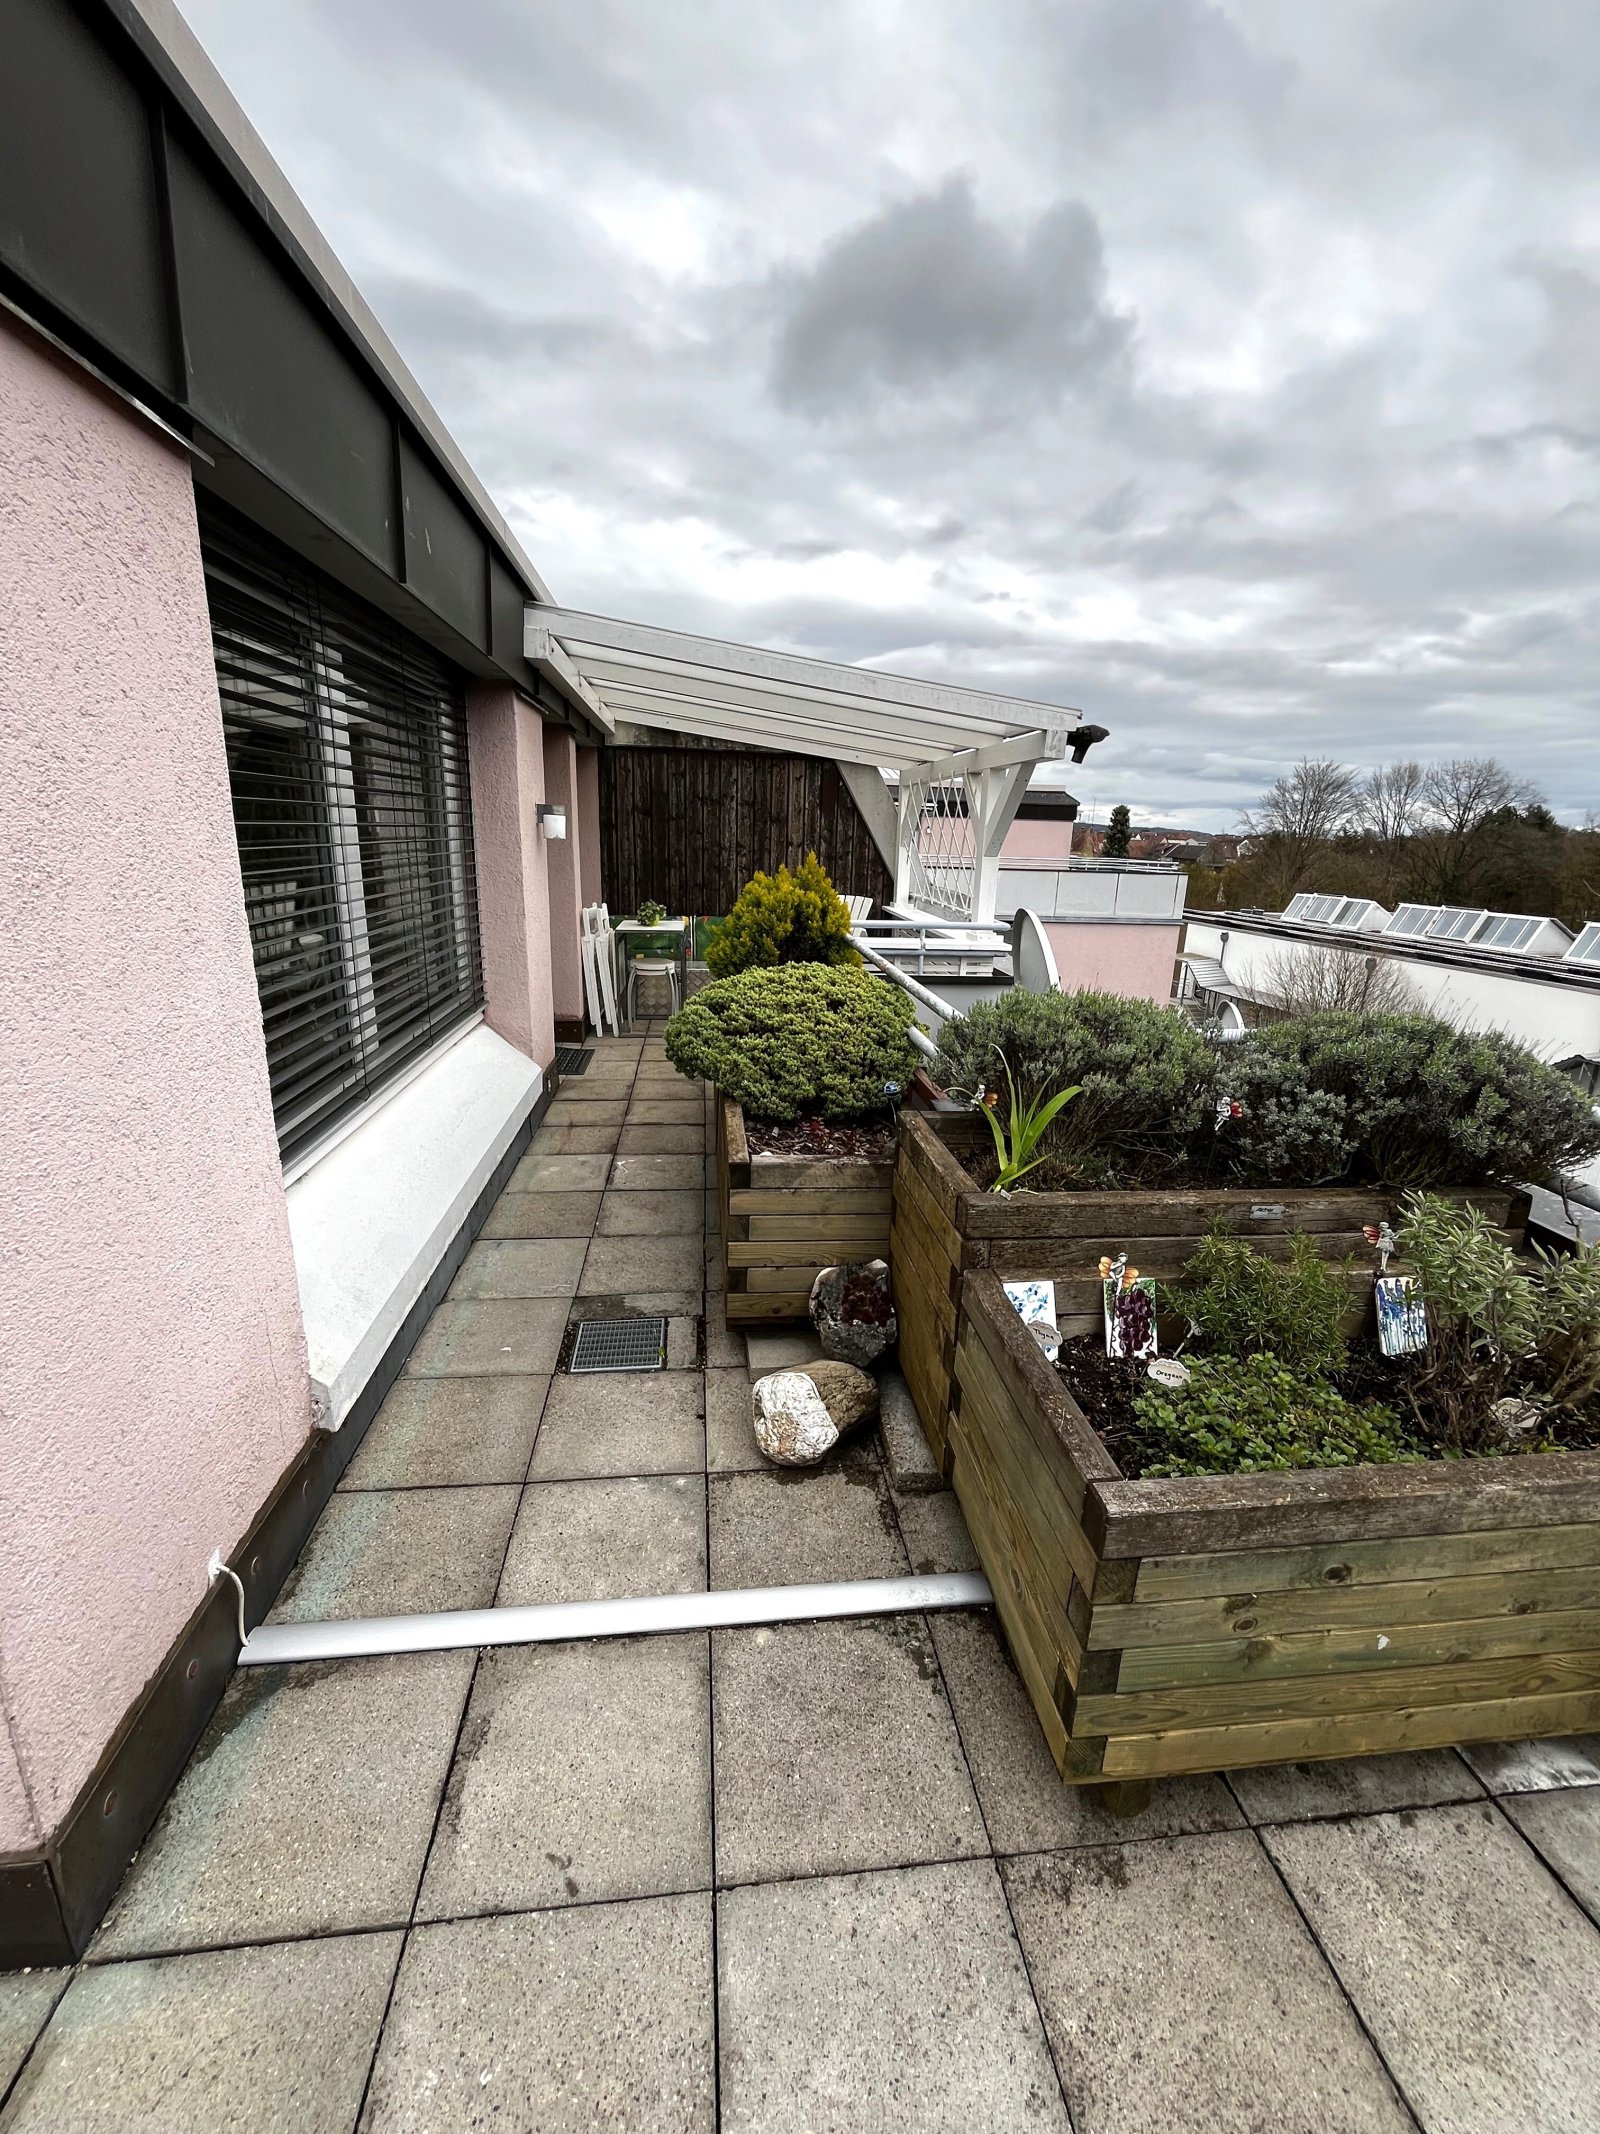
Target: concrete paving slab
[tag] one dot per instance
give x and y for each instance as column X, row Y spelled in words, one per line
column 725, row 1349
column 715, row 1277
column 836, row 1750
column 658, row 1174
column 26, row 1999
column 907, row 1456
column 683, row 1342
column 1182, row 1992
column 890, row 2003
column 935, row 1533
column 651, row 1215
column 730, row 1429
column 665, row 1110
column 584, row 1773
column 400, row 1552
column 542, row 1215
column 793, row 1526
column 491, row 1339
column 445, row 1430
column 520, row 1267
column 575, row 1140
column 1564, row 1829
column 629, row 1303
column 775, row 1348
column 662, row 1141
column 1026, row 1807
column 626, row 1263
column 266, row 2041
column 596, row 2017
column 621, row 1423
column 1358, row 1785
column 306, row 1809
column 1534, row 1766
column 608, row 1540
column 1476, row 1974
column 588, row 1104
column 559, row 1174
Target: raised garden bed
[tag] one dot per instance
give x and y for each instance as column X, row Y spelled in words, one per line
column 1202, row 1624
column 786, row 1217
column 944, row 1228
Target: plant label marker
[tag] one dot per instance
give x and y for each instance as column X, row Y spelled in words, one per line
column 1035, row 1304
column 1167, row 1371
column 1402, row 1317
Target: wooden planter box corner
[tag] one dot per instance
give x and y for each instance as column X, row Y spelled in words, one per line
column 785, row 1218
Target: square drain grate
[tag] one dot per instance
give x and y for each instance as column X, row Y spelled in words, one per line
column 572, row 1059
column 620, row 1345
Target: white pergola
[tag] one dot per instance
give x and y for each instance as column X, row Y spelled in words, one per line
column 963, row 757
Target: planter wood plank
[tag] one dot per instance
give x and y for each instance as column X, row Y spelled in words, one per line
column 785, row 1218
column 1208, row 1623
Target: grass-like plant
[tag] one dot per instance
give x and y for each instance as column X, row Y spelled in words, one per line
column 1020, row 1132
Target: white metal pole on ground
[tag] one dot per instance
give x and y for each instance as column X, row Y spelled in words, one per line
column 284, row 1644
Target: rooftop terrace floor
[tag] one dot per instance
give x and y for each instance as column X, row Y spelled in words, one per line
column 820, row 1877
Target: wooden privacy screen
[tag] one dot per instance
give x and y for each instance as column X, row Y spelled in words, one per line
column 690, row 825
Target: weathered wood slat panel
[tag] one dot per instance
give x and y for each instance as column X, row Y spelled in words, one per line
column 1415, row 1556
column 784, row 1220
column 1157, row 1667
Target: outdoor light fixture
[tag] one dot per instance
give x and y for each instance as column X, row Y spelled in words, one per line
column 1082, row 738
column 552, row 820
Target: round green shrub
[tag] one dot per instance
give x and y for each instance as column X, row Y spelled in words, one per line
column 1242, row 1415
column 800, row 1039
column 1397, row 1100
column 1146, row 1075
column 784, row 918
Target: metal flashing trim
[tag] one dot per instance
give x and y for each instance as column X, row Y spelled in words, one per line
column 81, row 362
column 555, row 1622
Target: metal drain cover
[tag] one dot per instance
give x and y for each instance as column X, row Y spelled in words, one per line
column 620, row 1345
column 572, row 1059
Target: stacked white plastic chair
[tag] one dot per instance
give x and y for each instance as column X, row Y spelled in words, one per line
column 598, row 946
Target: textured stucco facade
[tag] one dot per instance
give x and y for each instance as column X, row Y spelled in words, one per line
column 1136, row 961
column 505, row 738
column 565, row 874
column 153, row 1378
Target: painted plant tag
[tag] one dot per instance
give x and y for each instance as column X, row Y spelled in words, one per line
column 1035, row 1304
column 1402, row 1317
column 1167, row 1371
column 1130, row 1306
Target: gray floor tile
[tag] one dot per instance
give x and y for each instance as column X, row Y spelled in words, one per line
column 559, row 1174
column 1478, row 1977
column 306, row 1808
column 621, row 1423
column 1356, row 1785
column 609, row 1540
column 492, row 1339
column 1564, row 1828
column 521, row 1267
column 798, row 1526
column 657, row 1174
column 590, row 1104
column 730, row 1429
column 542, row 1215
column 836, row 1750
column 267, row 2041
column 1532, row 1766
column 775, row 1348
column 716, row 1275
column 1182, row 1993
column 592, row 2020
column 439, row 1430
column 650, row 1215
column 935, row 1533
column 662, row 1141
column 26, row 1999
column 400, row 1552
column 584, row 1773
column 573, row 1137
column 645, row 1110
column 725, row 1346
column 891, row 2003
column 1025, row 1805
column 642, row 1263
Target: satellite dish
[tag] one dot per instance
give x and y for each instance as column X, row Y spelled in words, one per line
column 1033, row 962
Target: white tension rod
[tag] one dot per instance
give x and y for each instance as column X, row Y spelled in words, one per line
column 282, row 1644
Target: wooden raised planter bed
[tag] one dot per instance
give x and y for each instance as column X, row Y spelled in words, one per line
column 945, row 1228
column 1208, row 1623
column 785, row 1218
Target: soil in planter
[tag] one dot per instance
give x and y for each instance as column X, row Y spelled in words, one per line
column 871, row 1139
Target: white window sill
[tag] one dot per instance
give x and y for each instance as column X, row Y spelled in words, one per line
column 373, row 1217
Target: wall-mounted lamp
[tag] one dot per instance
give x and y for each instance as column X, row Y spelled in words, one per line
column 552, row 820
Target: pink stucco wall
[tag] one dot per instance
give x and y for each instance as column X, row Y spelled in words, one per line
column 1135, row 961
column 153, row 1380
column 564, row 870
column 1037, row 840
column 589, row 826
column 505, row 740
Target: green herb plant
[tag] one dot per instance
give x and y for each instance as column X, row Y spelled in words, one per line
column 1243, row 1415
column 1242, row 1304
column 1019, row 1133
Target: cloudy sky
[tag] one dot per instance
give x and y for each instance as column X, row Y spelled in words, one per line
column 1231, row 371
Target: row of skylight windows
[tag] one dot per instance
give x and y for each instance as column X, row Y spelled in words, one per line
column 1509, row 933
column 1357, row 912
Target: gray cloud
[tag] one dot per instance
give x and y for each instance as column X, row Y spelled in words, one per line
column 1225, row 367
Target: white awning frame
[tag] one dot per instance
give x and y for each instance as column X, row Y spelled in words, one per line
column 929, row 732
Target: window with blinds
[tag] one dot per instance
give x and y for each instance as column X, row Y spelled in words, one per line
column 347, row 753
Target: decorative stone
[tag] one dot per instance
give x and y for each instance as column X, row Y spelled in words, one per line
column 852, row 1311
column 801, row 1415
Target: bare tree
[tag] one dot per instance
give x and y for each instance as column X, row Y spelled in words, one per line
column 1305, row 981
column 1463, row 798
column 1299, row 814
column 1390, row 810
